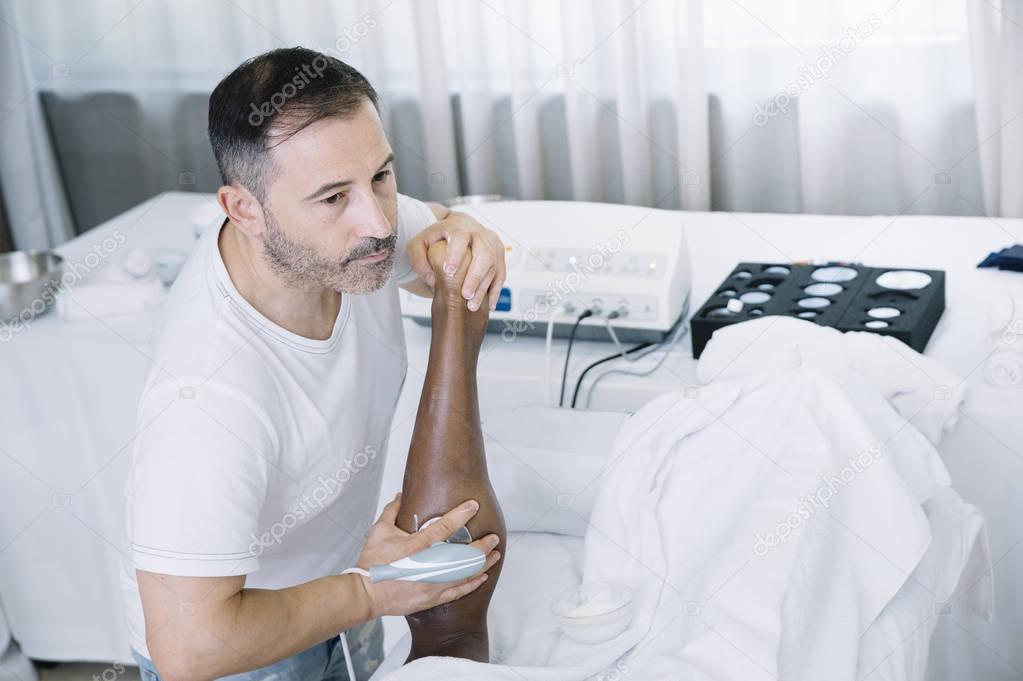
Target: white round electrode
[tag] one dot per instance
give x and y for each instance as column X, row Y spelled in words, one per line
column 876, row 324
column 728, row 293
column 833, row 274
column 809, row 314
column 884, row 312
column 766, row 287
column 904, row 280
column 755, row 297
column 823, row 289
column 742, row 274
column 813, row 303
column 777, row 269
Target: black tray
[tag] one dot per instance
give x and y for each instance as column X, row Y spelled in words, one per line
column 846, row 309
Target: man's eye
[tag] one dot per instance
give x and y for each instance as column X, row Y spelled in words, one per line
column 331, row 200
column 381, row 176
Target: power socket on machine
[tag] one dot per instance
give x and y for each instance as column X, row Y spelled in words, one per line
column 611, row 305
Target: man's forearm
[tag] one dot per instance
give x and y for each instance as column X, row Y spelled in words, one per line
column 215, row 633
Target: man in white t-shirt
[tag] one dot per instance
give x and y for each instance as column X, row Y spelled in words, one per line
column 276, row 371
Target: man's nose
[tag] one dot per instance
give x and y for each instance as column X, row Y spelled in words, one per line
column 372, row 220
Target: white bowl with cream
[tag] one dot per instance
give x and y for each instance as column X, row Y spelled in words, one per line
column 594, row 612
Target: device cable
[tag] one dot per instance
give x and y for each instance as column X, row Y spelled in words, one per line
column 568, row 352
column 618, row 355
column 614, row 336
column 343, row 635
column 348, row 656
column 547, row 386
column 666, row 345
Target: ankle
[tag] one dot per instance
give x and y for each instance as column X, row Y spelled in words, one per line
column 469, row 645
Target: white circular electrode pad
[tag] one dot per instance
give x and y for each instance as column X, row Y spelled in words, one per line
column 904, row 280
column 884, row 312
column 823, row 289
column 813, row 303
column 833, row 274
column 755, row 297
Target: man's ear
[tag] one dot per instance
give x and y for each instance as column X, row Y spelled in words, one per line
column 242, row 208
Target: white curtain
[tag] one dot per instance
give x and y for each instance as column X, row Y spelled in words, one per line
column 846, row 106
column 877, row 98
column 996, row 34
column 33, row 194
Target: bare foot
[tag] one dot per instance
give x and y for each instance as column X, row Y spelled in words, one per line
column 448, row 302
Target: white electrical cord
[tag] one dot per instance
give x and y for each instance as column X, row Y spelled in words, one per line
column 348, row 657
column 622, row 350
column 342, row 635
column 548, row 388
column 667, row 346
column 355, row 571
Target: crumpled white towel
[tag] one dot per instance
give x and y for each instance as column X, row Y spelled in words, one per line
column 1004, row 369
column 784, row 589
column 954, row 576
column 923, row 390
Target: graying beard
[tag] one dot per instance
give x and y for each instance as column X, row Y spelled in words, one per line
column 300, row 266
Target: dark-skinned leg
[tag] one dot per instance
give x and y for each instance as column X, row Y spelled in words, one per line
column 447, row 464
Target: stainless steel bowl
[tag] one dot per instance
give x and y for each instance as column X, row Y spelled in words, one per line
column 29, row 281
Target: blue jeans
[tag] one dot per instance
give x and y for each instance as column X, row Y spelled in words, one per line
column 323, row 662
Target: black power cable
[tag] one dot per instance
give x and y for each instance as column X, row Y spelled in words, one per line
column 617, row 355
column 568, row 352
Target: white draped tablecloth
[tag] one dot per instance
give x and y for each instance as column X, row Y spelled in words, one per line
column 67, row 416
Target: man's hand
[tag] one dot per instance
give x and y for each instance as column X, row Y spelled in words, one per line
column 205, row 628
column 486, row 271
column 387, row 543
column 448, row 306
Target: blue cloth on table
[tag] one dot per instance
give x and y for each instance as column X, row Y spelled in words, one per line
column 1010, row 258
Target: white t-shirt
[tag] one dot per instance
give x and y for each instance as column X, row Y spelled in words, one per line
column 260, row 452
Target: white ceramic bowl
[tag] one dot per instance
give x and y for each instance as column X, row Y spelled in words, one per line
column 595, row 612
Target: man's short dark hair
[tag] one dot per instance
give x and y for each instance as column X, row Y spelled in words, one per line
column 269, row 98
